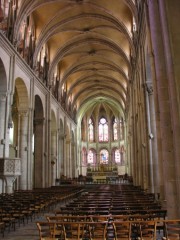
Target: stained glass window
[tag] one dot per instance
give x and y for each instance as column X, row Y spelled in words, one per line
column 103, row 130
column 115, row 137
column 104, row 155
column 117, row 156
column 91, row 156
column 11, row 134
column 91, row 130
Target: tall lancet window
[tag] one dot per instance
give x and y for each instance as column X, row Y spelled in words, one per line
column 91, row 159
column 104, row 155
column 103, row 130
column 91, row 130
column 117, row 156
column 115, row 136
column 11, row 134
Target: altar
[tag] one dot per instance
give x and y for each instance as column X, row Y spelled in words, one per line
column 102, row 173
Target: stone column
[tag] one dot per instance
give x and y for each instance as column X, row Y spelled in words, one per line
column 68, row 158
column 170, row 12
column 149, row 92
column 73, row 157
column 65, row 156
column 9, row 184
column 53, row 156
column 134, row 118
column 23, row 125
column 155, row 172
column 165, row 134
column 53, row 170
column 61, row 153
column 141, row 143
column 2, row 123
column 97, row 159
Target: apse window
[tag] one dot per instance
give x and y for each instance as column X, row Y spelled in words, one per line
column 117, row 156
column 33, row 143
column 91, row 130
column 104, row 156
column 11, row 134
column 90, row 157
column 103, row 130
column 115, row 136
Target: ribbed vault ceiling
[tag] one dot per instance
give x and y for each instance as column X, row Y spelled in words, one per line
column 90, row 43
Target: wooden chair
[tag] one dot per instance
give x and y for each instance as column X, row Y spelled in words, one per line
column 74, row 230
column 172, row 229
column 47, row 230
column 98, row 230
column 9, row 221
column 2, row 228
column 147, row 230
column 122, row 230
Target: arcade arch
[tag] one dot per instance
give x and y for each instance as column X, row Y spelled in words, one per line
column 40, row 156
column 3, row 99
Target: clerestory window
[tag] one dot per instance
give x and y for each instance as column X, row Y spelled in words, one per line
column 103, row 130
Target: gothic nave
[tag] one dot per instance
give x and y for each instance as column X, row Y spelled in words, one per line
column 90, row 89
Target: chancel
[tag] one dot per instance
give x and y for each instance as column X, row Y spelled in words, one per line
column 90, row 97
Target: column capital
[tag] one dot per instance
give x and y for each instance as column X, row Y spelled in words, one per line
column 23, row 112
column 68, row 140
column 62, row 136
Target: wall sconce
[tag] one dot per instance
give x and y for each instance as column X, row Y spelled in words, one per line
column 151, row 136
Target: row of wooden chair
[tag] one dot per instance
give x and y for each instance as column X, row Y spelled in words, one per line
column 21, row 206
column 109, row 218
column 114, row 205
column 72, row 230
column 98, row 230
column 105, row 204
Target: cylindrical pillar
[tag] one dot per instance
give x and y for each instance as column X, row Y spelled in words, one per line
column 155, row 168
column 2, row 123
column 166, row 138
column 64, row 157
column 53, row 156
column 23, row 148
